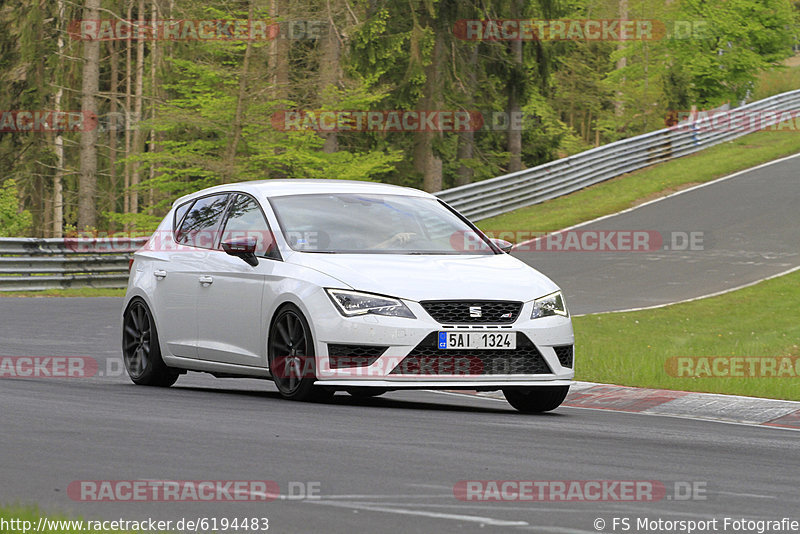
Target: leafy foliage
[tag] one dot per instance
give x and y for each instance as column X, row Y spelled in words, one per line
column 12, row 221
column 210, row 106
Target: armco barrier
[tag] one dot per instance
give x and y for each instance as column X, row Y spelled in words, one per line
column 37, row 264
column 481, row 200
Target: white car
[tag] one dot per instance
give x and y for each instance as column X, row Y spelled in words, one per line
column 331, row 285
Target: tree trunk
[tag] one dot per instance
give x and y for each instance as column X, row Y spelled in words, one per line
column 466, row 140
column 425, row 160
column 112, row 127
column 154, row 58
column 241, row 97
column 330, row 74
column 138, row 133
column 58, row 177
column 128, row 79
column 279, row 54
column 619, row 105
column 87, row 182
column 514, row 109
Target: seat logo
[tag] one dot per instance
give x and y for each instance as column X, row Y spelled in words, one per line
column 475, row 311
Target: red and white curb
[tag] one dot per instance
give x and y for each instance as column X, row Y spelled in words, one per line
column 710, row 406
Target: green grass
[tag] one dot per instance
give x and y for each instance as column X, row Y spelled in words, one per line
column 779, row 80
column 72, row 292
column 659, row 180
column 632, row 348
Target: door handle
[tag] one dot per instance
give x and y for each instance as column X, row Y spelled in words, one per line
column 160, row 273
column 206, row 280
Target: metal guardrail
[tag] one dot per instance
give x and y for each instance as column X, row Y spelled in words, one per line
column 35, row 264
column 495, row 196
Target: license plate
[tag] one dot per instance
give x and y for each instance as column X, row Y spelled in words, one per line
column 478, row 340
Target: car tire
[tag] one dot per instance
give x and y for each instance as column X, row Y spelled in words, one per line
column 290, row 352
column 365, row 392
column 141, row 352
column 536, row 399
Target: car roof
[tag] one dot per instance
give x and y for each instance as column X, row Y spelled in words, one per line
column 280, row 187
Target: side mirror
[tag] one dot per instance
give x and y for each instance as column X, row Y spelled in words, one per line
column 502, row 244
column 244, row 248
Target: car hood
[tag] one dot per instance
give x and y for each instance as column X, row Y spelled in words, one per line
column 423, row 277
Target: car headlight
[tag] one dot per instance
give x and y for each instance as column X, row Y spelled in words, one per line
column 352, row 303
column 552, row 304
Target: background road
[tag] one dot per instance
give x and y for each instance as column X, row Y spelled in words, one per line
column 384, row 465
column 751, row 230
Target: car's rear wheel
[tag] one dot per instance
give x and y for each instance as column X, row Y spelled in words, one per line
column 365, row 392
column 140, row 350
column 291, row 356
column 536, row 399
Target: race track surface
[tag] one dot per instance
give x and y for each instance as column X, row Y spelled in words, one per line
column 384, row 465
column 747, row 228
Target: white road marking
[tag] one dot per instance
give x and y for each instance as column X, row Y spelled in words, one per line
column 753, row 495
column 436, row 515
column 718, row 293
column 682, row 191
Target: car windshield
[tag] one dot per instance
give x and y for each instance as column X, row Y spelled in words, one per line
column 374, row 224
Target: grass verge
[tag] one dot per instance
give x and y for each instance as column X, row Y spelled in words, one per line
column 632, row 348
column 778, row 80
column 653, row 182
column 72, row 292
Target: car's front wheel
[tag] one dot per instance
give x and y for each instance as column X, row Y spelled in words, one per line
column 140, row 350
column 536, row 399
column 291, row 356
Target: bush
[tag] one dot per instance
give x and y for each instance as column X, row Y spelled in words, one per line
column 13, row 222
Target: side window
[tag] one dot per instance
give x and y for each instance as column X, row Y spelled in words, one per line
column 245, row 219
column 199, row 227
column 180, row 212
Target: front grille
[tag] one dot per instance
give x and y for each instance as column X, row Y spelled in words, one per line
column 427, row 359
column 458, row 311
column 342, row 356
column 565, row 355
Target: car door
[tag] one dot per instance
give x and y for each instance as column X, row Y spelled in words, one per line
column 177, row 277
column 229, row 308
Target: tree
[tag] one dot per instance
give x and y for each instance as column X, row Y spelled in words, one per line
column 87, row 186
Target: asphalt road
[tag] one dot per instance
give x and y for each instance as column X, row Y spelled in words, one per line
column 383, row 465
column 746, row 227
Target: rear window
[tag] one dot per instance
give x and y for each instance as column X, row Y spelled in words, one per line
column 200, row 226
column 180, row 211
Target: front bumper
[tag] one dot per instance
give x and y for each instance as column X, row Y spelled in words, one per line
column 402, row 338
